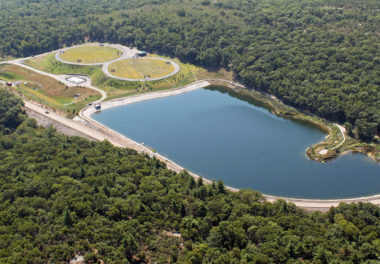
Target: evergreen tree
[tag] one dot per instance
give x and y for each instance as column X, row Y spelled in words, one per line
column 130, row 246
column 183, row 210
column 221, row 186
column 67, row 220
column 200, row 181
column 192, row 183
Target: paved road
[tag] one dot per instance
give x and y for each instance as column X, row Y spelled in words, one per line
column 86, row 112
column 68, row 122
column 127, row 53
column 175, row 71
column 342, row 131
column 324, row 205
column 121, row 141
column 61, row 78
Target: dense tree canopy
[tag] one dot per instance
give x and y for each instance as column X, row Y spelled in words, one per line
column 62, row 196
column 320, row 56
column 11, row 114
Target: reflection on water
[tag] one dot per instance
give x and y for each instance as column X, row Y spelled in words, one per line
column 220, row 135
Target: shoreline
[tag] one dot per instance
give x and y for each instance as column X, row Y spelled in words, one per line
column 307, row 204
column 122, row 141
column 270, row 103
column 88, row 111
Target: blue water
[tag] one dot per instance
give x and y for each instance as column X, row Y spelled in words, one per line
column 222, row 137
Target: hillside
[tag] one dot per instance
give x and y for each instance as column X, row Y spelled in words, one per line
column 62, row 196
column 320, row 56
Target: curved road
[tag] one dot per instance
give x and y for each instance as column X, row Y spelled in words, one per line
column 121, row 141
column 308, row 204
column 175, row 71
column 70, row 123
column 342, row 131
column 127, row 53
column 61, row 78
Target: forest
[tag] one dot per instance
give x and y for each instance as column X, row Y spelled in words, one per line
column 319, row 56
column 64, row 196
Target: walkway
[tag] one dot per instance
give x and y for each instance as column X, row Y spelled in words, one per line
column 86, row 112
column 127, row 53
column 324, row 205
column 342, row 131
column 61, row 78
column 174, row 72
column 121, row 141
column 68, row 122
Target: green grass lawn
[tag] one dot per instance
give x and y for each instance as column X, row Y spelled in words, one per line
column 188, row 74
column 47, row 90
column 118, row 88
column 7, row 58
column 90, row 54
column 139, row 68
column 49, row 64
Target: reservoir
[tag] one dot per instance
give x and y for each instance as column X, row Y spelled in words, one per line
column 218, row 135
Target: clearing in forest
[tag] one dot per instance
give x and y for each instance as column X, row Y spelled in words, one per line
column 140, row 68
column 45, row 89
column 90, row 54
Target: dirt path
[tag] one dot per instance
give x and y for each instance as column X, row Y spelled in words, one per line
column 69, row 123
column 61, row 78
column 342, row 131
column 175, row 71
column 324, row 205
column 119, row 140
column 100, row 132
column 113, row 137
column 45, row 121
column 85, row 113
column 127, row 53
column 226, row 81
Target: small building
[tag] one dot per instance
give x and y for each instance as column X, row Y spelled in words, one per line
column 76, row 79
column 142, row 53
column 98, row 107
column 8, row 83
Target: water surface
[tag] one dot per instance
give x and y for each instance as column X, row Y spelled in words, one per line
column 220, row 136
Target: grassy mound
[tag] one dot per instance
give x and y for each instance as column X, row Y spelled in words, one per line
column 47, row 90
column 90, row 54
column 139, row 68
